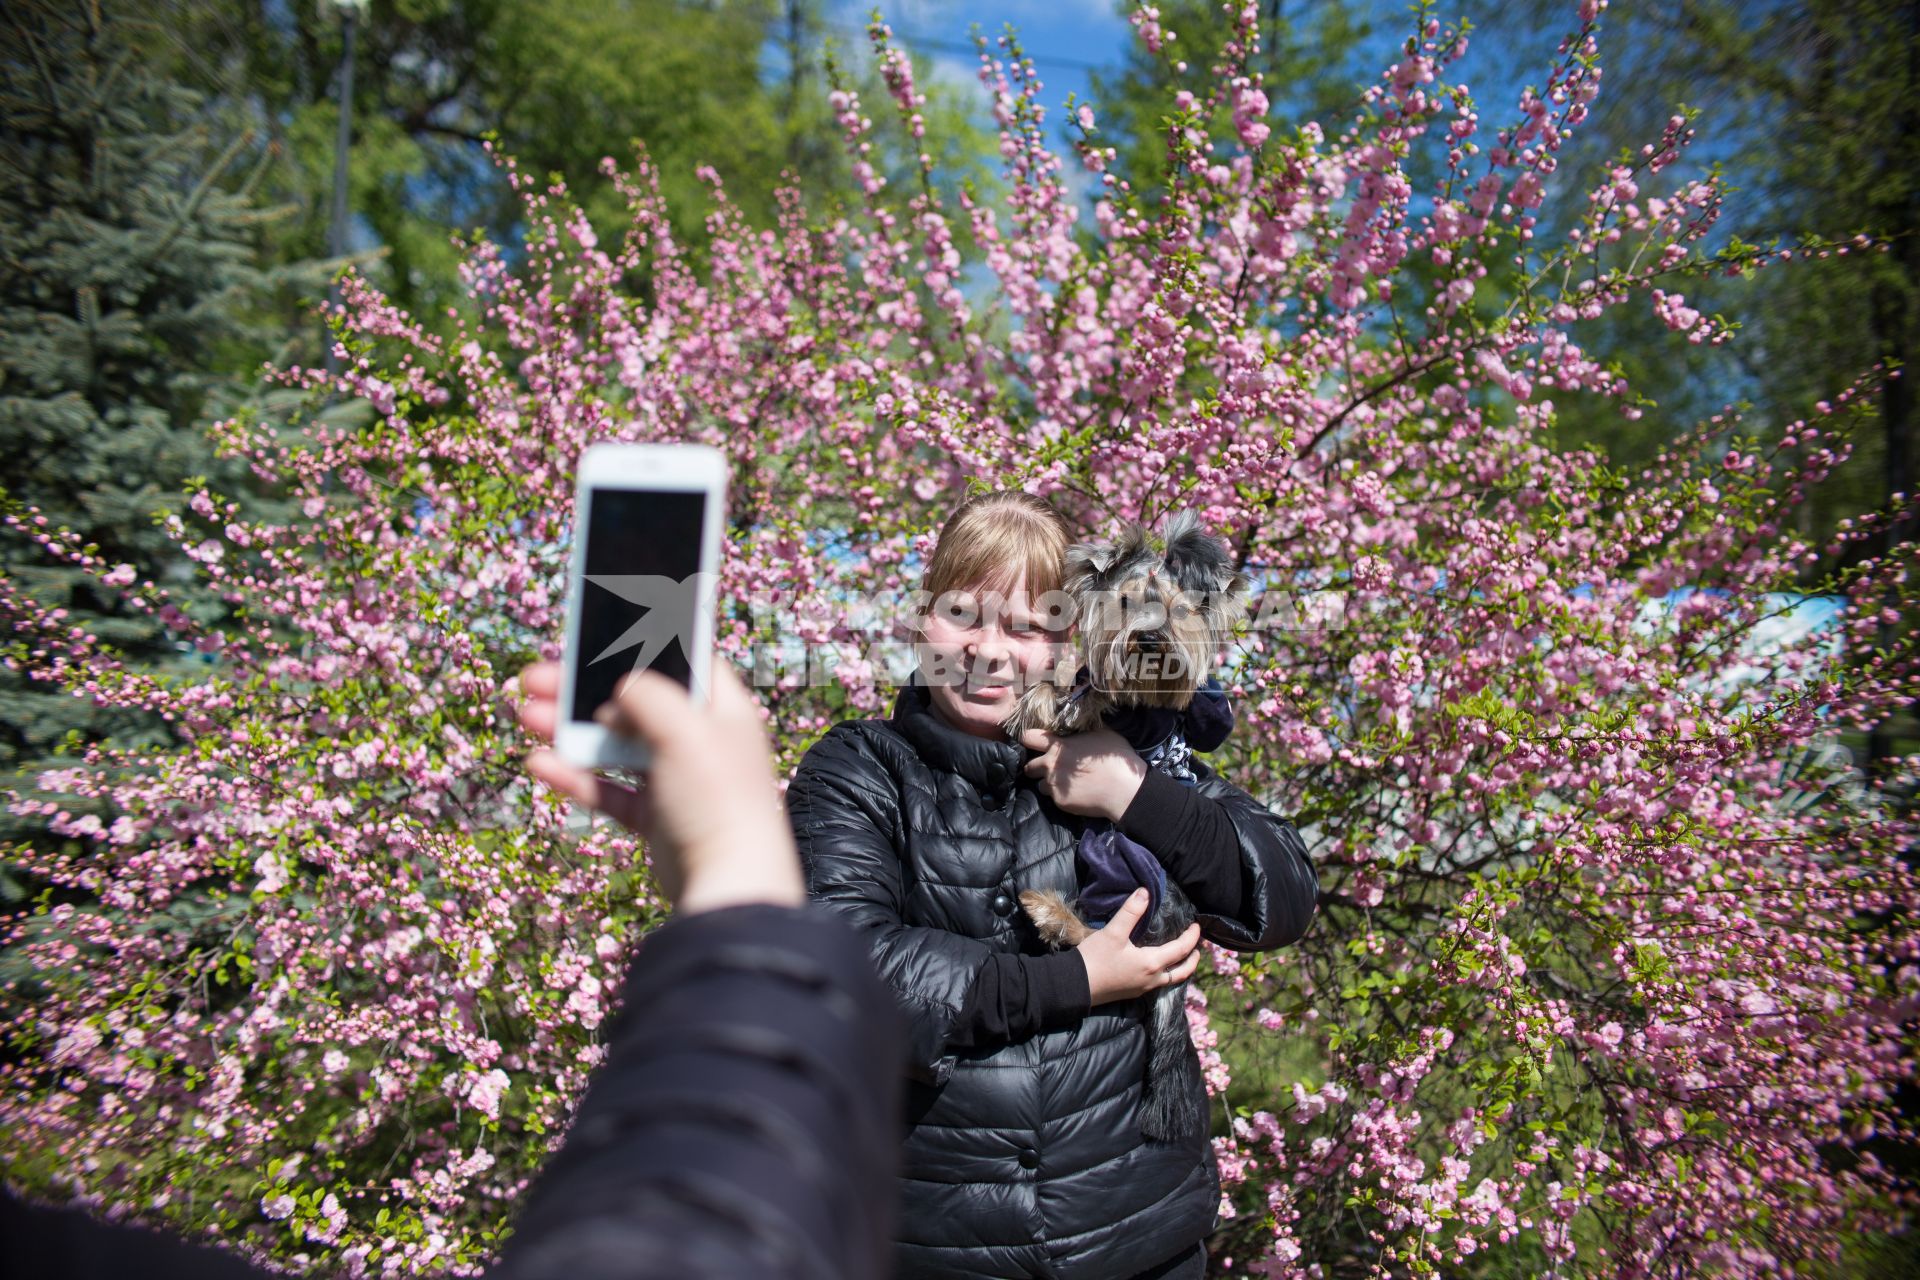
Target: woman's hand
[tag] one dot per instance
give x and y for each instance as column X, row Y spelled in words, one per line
column 1094, row 774
column 712, row 820
column 1118, row 970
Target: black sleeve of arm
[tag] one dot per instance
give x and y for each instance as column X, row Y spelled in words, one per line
column 1196, row 842
column 1017, row 995
column 746, row 1121
column 36, row 1240
column 956, row 992
column 1269, row 900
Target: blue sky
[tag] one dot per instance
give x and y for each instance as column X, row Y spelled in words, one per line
column 1065, row 38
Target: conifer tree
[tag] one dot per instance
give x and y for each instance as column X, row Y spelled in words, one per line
column 127, row 268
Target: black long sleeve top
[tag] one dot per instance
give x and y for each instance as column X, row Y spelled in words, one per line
column 746, row 1123
column 1016, row 996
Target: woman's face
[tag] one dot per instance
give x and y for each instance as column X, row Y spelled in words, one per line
column 978, row 649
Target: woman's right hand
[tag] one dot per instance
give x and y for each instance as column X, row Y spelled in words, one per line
column 1118, row 970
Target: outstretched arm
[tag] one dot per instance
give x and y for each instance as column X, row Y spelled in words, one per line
column 746, row 1122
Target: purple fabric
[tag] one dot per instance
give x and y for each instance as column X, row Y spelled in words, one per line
column 1110, row 868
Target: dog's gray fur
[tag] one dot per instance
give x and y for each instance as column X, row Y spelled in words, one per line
column 1187, row 575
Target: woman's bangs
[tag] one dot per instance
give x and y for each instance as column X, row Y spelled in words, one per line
column 996, row 559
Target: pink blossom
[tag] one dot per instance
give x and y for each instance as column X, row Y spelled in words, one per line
column 1463, row 649
column 1248, row 107
column 486, row 1092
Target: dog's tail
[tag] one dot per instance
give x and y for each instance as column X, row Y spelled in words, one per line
column 1175, row 1090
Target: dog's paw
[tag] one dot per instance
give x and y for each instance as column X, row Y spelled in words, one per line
column 1034, row 709
column 1057, row 923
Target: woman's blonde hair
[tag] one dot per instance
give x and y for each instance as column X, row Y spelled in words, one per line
column 991, row 538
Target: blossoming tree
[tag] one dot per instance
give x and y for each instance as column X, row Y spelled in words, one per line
column 1610, row 972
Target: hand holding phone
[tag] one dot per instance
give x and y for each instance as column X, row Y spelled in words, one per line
column 642, row 585
column 710, row 813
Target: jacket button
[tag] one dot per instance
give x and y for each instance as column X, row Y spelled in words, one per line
column 1029, row 1158
column 1002, row 905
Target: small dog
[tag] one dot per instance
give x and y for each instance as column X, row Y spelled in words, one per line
column 1150, row 619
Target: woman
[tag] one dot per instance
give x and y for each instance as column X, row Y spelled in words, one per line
column 1023, row 1154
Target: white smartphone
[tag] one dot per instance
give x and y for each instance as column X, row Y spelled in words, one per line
column 642, row 585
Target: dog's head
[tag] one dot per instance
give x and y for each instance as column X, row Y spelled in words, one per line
column 1152, row 613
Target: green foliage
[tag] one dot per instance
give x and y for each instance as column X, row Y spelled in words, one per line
column 1812, row 107
column 557, row 84
column 1307, row 60
column 129, row 278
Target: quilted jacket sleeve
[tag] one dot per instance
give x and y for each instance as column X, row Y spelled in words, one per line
column 42, row 1240
column 744, row 1124
column 845, row 812
column 1282, row 888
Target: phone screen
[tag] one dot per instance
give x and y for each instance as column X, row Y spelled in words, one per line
column 637, row 604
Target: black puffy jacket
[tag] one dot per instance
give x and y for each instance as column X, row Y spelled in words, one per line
column 1024, row 1158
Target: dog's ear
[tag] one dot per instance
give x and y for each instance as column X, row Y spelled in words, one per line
column 1134, row 540
column 1197, row 560
column 1086, row 560
column 1181, row 524
column 1231, row 603
column 1203, row 566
